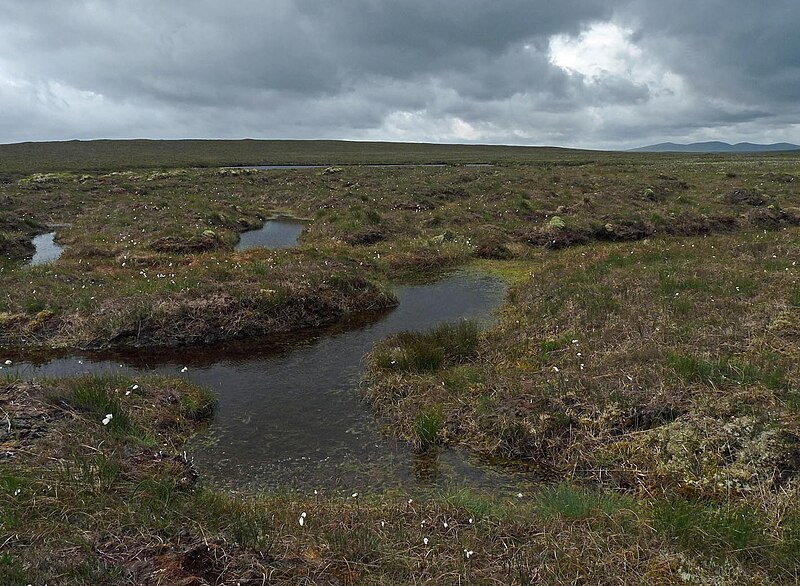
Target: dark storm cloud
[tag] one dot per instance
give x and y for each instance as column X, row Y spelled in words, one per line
column 748, row 50
column 576, row 72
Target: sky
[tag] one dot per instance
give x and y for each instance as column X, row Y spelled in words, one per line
column 605, row 74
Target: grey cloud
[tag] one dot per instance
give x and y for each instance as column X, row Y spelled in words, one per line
column 390, row 69
column 735, row 48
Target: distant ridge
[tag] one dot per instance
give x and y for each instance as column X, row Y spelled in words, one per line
column 716, row 147
column 21, row 159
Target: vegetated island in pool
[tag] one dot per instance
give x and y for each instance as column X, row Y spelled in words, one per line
column 646, row 355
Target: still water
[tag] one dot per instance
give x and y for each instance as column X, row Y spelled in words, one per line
column 289, row 410
column 282, row 233
column 46, row 249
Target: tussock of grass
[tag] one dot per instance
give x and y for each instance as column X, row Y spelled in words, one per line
column 99, row 397
column 427, row 426
column 446, row 344
column 572, row 502
column 710, row 528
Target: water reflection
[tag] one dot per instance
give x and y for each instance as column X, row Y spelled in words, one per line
column 275, row 167
column 289, row 412
column 46, row 249
column 280, row 233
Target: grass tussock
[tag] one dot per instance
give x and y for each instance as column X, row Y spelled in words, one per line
column 445, row 345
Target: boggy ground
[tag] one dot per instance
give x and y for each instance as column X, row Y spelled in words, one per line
column 646, row 354
column 149, row 257
column 663, row 368
column 660, row 365
column 88, row 502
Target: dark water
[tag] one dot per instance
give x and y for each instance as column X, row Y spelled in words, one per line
column 378, row 165
column 46, row 249
column 289, row 411
column 270, row 167
column 282, row 233
column 401, row 165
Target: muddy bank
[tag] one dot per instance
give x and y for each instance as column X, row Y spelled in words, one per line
column 16, row 237
column 182, row 319
column 15, row 246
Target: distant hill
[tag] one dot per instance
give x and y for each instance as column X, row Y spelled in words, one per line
column 716, row 147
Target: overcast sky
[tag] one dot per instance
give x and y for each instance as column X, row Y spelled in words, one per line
column 582, row 73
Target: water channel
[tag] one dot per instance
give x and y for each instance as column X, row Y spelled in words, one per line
column 290, row 414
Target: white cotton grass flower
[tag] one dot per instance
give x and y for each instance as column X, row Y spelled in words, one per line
column 107, row 419
column 425, row 540
column 8, row 363
column 184, row 369
column 519, row 495
column 354, row 495
column 471, row 520
column 468, row 553
column 16, row 492
column 302, row 518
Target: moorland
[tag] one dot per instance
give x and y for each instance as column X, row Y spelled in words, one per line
column 643, row 363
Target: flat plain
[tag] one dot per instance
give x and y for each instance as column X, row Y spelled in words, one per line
column 643, row 363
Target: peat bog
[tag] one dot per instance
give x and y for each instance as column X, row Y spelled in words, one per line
column 643, row 361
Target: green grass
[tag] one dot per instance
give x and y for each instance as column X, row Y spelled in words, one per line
column 99, row 396
column 709, row 528
column 573, row 502
column 45, row 158
column 727, row 371
column 445, row 344
column 428, row 426
column 553, row 345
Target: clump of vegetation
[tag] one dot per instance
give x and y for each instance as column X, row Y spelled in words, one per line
column 607, row 365
column 445, row 345
column 428, row 426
